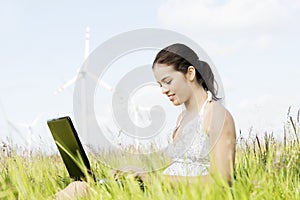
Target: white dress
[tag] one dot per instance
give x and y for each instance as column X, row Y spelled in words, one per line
column 191, row 157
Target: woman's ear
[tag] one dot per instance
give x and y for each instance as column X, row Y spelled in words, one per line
column 191, row 73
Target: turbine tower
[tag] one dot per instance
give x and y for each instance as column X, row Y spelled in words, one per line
column 84, row 116
column 81, row 75
column 87, row 43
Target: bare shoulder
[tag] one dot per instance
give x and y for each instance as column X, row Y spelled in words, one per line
column 218, row 119
column 229, row 122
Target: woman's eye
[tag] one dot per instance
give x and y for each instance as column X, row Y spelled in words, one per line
column 169, row 82
column 165, row 83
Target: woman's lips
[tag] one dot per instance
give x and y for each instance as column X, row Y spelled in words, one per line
column 171, row 97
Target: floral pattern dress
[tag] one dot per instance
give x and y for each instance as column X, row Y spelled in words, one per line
column 190, row 154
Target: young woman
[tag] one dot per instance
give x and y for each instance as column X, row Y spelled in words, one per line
column 186, row 80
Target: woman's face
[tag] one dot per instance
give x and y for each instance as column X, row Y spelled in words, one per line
column 174, row 84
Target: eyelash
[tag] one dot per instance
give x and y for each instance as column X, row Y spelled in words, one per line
column 167, row 82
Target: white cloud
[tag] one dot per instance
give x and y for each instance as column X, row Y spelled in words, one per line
column 235, row 24
column 261, row 43
column 247, row 15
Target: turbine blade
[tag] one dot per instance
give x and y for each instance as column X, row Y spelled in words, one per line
column 13, row 126
column 64, row 86
column 101, row 82
column 36, row 120
column 105, row 85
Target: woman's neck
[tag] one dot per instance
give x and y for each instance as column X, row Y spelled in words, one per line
column 197, row 99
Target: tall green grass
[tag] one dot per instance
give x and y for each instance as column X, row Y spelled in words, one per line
column 265, row 169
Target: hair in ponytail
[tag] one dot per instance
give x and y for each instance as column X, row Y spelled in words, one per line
column 181, row 57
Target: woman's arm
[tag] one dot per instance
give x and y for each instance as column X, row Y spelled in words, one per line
column 222, row 140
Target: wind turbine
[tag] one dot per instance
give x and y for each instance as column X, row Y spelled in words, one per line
column 29, row 126
column 14, row 127
column 10, row 124
column 141, row 116
column 83, row 74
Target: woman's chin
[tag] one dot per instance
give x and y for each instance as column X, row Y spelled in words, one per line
column 176, row 103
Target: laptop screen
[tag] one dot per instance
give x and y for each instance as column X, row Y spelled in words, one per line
column 70, row 147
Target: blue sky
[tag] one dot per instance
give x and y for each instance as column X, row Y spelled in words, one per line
column 253, row 44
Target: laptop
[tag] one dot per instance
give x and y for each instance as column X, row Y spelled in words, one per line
column 72, row 152
column 70, row 148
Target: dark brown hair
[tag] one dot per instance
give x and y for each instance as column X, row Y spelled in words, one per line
column 181, row 57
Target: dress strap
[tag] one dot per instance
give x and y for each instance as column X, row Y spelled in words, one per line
column 179, row 121
column 209, row 99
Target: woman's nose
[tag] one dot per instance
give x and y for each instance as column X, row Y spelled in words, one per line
column 164, row 89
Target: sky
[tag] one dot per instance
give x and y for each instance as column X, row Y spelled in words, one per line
column 254, row 45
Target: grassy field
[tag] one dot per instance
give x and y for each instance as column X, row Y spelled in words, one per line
column 265, row 169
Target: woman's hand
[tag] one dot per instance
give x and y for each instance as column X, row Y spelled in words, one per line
column 128, row 171
column 140, row 176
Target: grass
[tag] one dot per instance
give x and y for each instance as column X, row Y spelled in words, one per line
column 265, row 169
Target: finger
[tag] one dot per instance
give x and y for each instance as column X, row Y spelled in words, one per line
column 116, row 174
